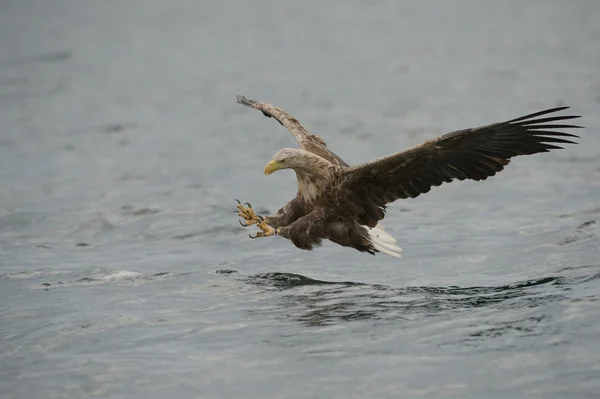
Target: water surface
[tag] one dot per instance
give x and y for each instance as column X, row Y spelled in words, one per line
column 124, row 272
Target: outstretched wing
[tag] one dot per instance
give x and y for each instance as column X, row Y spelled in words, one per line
column 476, row 154
column 306, row 141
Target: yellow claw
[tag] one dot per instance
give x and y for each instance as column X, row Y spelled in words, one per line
column 251, row 218
column 266, row 230
column 247, row 214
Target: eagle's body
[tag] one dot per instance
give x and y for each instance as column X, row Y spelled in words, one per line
column 344, row 204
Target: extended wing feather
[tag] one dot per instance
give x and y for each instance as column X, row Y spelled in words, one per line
column 476, row 154
column 306, row 141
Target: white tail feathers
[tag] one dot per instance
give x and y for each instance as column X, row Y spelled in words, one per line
column 383, row 241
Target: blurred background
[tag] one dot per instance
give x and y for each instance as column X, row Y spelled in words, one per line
column 124, row 272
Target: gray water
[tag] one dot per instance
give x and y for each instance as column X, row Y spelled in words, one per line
column 124, row 272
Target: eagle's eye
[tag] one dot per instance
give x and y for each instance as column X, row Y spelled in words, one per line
column 282, row 161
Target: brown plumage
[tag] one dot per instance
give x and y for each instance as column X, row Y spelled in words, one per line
column 344, row 204
column 306, row 141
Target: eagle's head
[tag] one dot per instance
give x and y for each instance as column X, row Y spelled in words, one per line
column 314, row 173
column 289, row 158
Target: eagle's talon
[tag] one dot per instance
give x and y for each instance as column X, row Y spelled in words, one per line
column 263, row 233
column 246, row 213
column 249, row 218
column 247, row 222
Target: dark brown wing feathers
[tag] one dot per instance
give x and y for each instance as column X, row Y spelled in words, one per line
column 476, row 154
column 306, row 141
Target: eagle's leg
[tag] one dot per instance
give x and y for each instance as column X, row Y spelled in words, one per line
column 266, row 230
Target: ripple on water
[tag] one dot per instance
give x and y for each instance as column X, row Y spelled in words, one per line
column 584, row 232
column 327, row 302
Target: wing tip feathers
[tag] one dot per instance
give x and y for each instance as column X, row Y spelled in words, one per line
column 245, row 101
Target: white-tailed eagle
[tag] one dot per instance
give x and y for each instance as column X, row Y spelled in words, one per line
column 344, row 203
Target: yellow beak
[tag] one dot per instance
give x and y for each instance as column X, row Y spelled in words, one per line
column 271, row 167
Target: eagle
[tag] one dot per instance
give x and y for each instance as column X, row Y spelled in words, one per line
column 345, row 204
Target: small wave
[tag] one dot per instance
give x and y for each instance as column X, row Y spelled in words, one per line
column 217, row 231
column 584, row 232
column 330, row 302
column 103, row 277
column 128, row 210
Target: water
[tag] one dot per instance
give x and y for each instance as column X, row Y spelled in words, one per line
column 124, row 272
